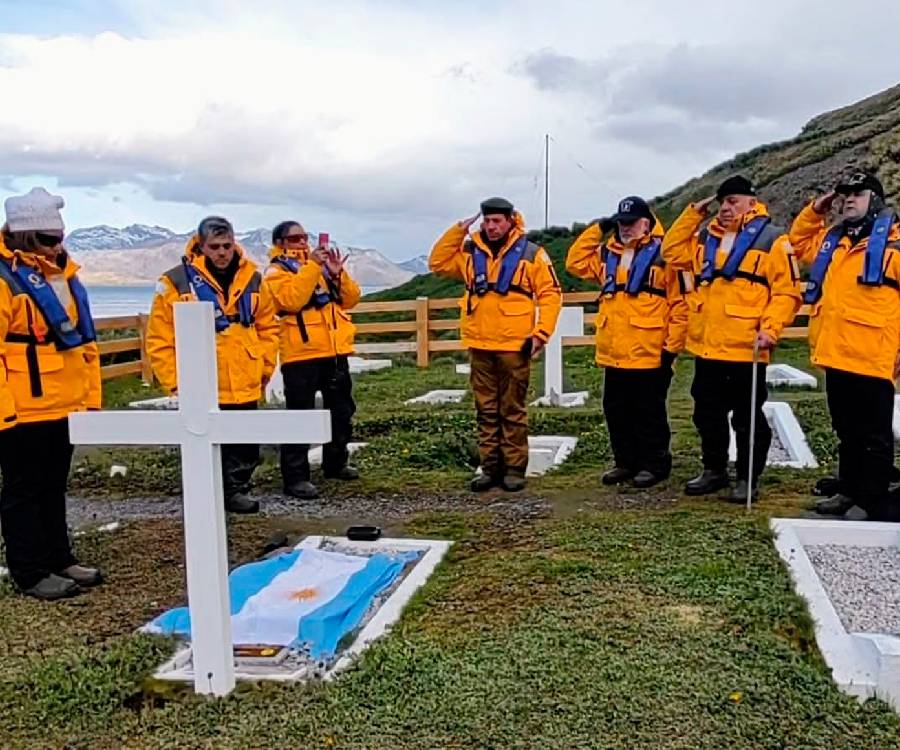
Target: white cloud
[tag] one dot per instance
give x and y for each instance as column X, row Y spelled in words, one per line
column 385, row 123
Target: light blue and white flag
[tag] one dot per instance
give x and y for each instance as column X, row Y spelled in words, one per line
column 307, row 596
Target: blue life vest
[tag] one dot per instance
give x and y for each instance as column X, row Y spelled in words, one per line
column 320, row 298
column 873, row 263
column 638, row 274
column 66, row 335
column 753, row 235
column 508, row 265
column 188, row 280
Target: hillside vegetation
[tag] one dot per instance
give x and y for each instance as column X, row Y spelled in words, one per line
column 865, row 134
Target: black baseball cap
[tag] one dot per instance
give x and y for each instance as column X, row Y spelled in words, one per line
column 860, row 181
column 497, row 206
column 631, row 209
column 736, row 185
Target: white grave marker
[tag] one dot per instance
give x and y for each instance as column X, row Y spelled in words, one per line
column 570, row 323
column 199, row 428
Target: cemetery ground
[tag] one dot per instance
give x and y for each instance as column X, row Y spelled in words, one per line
column 571, row 615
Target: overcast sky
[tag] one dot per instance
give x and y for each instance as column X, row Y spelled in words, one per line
column 384, row 121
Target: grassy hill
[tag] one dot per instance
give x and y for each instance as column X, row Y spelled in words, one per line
column 865, row 134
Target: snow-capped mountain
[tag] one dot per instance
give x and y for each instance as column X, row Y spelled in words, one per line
column 139, row 254
column 106, row 237
column 417, row 265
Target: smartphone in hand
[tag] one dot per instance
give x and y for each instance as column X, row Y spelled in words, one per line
column 324, row 239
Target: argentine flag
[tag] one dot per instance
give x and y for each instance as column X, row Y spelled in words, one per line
column 307, row 596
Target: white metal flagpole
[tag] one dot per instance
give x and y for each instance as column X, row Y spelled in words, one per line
column 754, row 377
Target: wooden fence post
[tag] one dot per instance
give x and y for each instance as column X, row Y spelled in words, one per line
column 146, row 369
column 422, row 331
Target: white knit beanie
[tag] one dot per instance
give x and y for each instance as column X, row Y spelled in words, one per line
column 35, row 211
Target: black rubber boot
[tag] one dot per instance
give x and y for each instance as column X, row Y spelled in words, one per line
column 616, row 475
column 707, row 483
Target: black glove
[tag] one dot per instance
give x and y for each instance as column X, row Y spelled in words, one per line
column 606, row 224
column 667, row 358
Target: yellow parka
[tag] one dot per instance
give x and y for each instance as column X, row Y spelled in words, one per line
column 64, row 381
column 326, row 329
column 632, row 330
column 245, row 354
column 853, row 327
column 497, row 322
column 725, row 316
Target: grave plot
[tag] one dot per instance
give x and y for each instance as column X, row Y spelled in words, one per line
column 789, row 447
column 546, row 452
column 306, row 613
column 849, row 575
column 358, row 365
column 441, row 396
column 780, row 375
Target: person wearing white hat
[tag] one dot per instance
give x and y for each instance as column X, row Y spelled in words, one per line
column 51, row 367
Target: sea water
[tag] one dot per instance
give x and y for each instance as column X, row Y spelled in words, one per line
column 109, row 301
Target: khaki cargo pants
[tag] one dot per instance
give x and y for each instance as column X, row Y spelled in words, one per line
column 499, row 383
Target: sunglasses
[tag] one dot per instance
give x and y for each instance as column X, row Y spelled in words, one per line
column 219, row 246
column 296, row 237
column 47, row 240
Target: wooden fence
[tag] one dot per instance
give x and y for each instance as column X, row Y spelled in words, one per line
column 424, row 321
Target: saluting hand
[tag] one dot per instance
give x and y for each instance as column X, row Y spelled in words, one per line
column 703, row 206
column 466, row 223
column 823, row 204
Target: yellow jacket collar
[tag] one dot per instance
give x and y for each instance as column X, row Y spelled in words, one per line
column 45, row 266
column 277, row 252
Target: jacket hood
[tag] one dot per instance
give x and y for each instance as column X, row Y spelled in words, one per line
column 277, row 252
column 656, row 232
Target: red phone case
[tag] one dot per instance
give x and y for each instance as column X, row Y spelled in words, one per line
column 323, row 239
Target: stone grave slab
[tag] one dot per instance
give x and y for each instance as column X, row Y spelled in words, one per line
column 789, row 447
column 464, row 369
column 315, row 452
column 440, row 396
column 848, row 572
column 781, row 375
column 896, row 420
column 546, row 452
column 358, row 365
column 291, row 664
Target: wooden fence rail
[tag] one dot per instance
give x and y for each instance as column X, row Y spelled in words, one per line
column 424, row 328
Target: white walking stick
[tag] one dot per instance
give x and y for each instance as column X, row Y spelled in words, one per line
column 753, row 383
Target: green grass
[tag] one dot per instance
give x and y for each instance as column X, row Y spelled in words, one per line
column 612, row 619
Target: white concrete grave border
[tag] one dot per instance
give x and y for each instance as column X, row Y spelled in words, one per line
column 439, row 396
column 180, row 669
column 778, row 375
column 863, row 665
column 896, row 421
column 784, row 423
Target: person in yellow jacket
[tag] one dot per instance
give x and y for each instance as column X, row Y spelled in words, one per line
column 641, row 327
column 216, row 269
column 746, row 290
column 854, row 329
column 509, row 312
column 313, row 291
column 50, row 368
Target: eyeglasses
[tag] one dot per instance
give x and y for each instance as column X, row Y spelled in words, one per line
column 219, row 246
column 48, row 240
column 296, row 238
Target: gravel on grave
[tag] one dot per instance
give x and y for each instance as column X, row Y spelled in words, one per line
column 863, row 584
column 777, row 451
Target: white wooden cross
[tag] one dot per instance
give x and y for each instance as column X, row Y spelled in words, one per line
column 570, row 323
column 199, row 428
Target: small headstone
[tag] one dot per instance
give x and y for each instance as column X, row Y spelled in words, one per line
column 446, row 396
column 546, row 452
column 464, row 369
column 117, row 470
column 315, row 453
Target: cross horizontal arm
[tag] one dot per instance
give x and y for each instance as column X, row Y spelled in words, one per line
column 126, row 428
column 270, row 426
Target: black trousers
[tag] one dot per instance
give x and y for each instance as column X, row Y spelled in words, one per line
column 862, row 409
column 719, row 388
column 634, row 402
column 302, row 380
column 35, row 459
column 238, row 461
